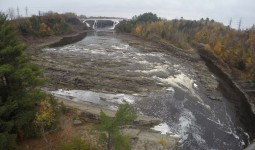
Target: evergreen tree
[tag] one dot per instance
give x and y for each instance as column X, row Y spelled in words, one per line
column 110, row 126
column 18, row 88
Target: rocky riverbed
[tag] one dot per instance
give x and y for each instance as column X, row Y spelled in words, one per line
column 177, row 87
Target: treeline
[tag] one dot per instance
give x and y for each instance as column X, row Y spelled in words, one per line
column 235, row 47
column 49, row 23
column 28, row 112
column 25, row 110
column 19, row 89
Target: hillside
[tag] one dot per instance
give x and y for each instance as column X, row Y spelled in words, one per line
column 36, row 28
column 234, row 47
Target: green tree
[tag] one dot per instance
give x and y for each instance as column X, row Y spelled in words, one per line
column 18, row 88
column 111, row 127
column 147, row 17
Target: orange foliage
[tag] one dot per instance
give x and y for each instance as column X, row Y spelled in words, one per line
column 138, row 29
column 248, row 62
column 217, row 48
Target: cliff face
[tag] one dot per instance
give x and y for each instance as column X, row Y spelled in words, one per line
column 240, row 93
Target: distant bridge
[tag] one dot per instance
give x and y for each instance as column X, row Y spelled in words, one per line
column 101, row 23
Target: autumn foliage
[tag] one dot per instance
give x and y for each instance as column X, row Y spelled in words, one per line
column 234, row 47
column 49, row 24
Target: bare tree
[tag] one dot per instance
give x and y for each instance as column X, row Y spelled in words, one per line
column 11, row 13
column 26, row 11
column 240, row 24
column 230, row 22
column 18, row 15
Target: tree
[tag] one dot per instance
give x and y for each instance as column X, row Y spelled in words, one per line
column 18, row 88
column 43, row 28
column 26, row 10
column 138, row 29
column 124, row 115
column 45, row 118
column 11, row 13
column 18, row 15
column 147, row 17
column 217, row 48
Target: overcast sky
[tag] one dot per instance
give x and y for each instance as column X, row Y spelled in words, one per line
column 219, row 10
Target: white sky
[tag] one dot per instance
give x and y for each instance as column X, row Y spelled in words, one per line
column 219, row 10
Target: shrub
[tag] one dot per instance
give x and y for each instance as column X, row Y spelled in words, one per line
column 110, row 127
column 63, row 108
column 76, row 144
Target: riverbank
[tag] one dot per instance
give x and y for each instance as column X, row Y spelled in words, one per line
column 36, row 44
column 238, row 91
column 239, row 96
column 80, row 119
column 140, row 132
column 157, row 79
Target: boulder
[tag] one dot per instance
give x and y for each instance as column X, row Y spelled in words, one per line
column 148, row 139
column 214, row 98
column 77, row 122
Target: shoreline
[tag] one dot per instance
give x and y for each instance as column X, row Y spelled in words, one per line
column 69, row 39
column 193, row 58
column 141, row 126
column 230, row 88
column 54, row 41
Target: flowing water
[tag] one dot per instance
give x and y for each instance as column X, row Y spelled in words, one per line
column 155, row 83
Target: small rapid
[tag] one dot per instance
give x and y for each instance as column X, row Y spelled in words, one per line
column 108, row 71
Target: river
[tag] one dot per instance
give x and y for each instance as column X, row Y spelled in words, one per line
column 109, row 69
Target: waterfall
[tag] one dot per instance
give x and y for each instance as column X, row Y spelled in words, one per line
column 108, row 24
column 95, row 24
column 114, row 24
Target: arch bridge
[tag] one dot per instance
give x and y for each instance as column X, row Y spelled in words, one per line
column 101, row 23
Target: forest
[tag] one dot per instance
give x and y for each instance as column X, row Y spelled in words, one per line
column 47, row 24
column 234, row 47
column 28, row 112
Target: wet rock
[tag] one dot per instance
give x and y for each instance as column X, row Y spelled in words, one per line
column 145, row 139
column 103, row 99
column 147, row 122
column 214, row 98
column 251, row 146
column 77, row 122
column 90, row 115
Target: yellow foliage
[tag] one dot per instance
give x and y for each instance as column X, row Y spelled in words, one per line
column 217, row 48
column 162, row 142
column 43, row 28
column 46, row 114
column 153, row 26
column 252, row 38
column 248, row 61
column 207, row 47
column 138, row 29
column 202, row 35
